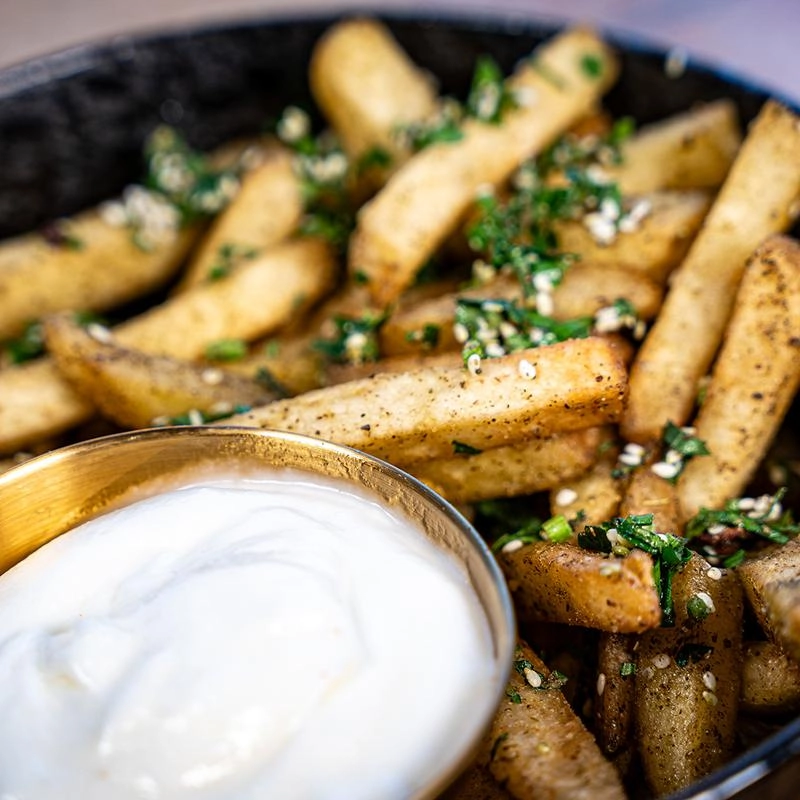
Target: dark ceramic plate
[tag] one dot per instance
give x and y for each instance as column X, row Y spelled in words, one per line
column 72, row 125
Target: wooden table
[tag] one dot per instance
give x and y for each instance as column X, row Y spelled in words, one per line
column 754, row 37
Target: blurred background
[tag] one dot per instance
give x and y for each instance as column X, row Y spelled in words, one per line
column 756, row 38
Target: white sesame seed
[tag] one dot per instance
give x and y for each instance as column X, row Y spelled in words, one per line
column 601, row 684
column 474, row 364
column 544, row 303
column 195, row 417
column 609, row 208
column 775, row 512
column 99, row 333
column 507, row 329
column 526, row 369
column 512, row 546
column 602, row 229
column 543, row 282
column 596, row 174
column 746, row 503
column 673, row 457
column 661, row 661
column 714, row 573
column 635, row 448
column 492, row 307
column 706, row 598
column 212, row 376
column 495, row 350
column 483, row 272
column 630, row 459
column 293, row 125
column 710, row 698
column 639, row 330
column 160, row 421
column 609, row 568
column 460, row 332
column 533, row 678
column 566, row 496
column 222, row 407
column 710, row 681
column 716, row 529
column 606, row 320
column 665, row 470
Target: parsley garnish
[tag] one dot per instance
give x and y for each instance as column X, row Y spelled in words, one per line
column 428, row 336
column 521, row 664
column 488, row 97
column 462, row 449
column 592, row 65
column 627, row 668
column 374, row 158
column 227, row 258
column 30, row 343
column 226, row 350
column 356, row 339
column 669, row 552
column 684, row 443
column 513, row 695
column 697, row 608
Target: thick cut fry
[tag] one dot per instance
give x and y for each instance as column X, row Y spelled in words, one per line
column 341, row 373
column 772, row 584
column 563, row 583
column 414, row 416
column 614, row 704
column 426, row 198
column 655, row 247
column 646, row 493
column 691, row 150
column 368, row 87
column 427, row 326
column 531, row 466
column 476, row 783
column 100, row 269
column 688, row 682
column 36, row 402
column 596, row 494
column 540, row 748
column 770, row 680
column 755, row 377
column 134, row 389
column 684, row 339
column 267, row 209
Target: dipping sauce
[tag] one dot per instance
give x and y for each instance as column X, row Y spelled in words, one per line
column 276, row 637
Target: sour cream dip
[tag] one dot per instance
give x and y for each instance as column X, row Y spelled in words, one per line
column 280, row 636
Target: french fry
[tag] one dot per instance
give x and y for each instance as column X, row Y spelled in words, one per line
column 646, row 493
column 531, row 466
column 96, row 268
column 772, row 585
column 655, row 247
column 267, row 209
column 399, row 229
column 680, row 346
column 688, row 680
column 690, row 150
column 755, row 377
column 563, row 583
column 770, row 680
column 367, row 87
column 36, row 402
column 475, row 783
column 540, row 748
column 341, row 373
column 133, row 388
column 415, row 416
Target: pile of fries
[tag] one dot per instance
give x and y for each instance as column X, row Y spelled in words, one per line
column 514, row 297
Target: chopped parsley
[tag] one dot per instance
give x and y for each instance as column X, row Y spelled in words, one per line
column 697, row 608
column 374, row 158
column 268, row 381
column 627, row 668
column 591, row 65
column 356, row 339
column 489, row 98
column 521, row 664
column 513, row 695
column 462, row 449
column 621, row 534
column 444, row 128
column 30, row 343
column 226, row 350
column 227, row 258
column 428, row 336
column 554, row 529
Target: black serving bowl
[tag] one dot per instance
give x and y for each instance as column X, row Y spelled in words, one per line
column 72, row 125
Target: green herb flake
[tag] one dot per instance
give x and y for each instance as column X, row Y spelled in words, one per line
column 627, row 668
column 27, row 346
column 496, row 744
column 264, row 377
column 226, row 350
column 691, row 654
column 489, row 98
column 355, row 341
column 521, row 664
column 556, row 529
column 697, row 608
column 591, row 65
column 462, row 449
column 513, row 695
column 428, row 336
column 375, row 158
column 735, row 559
column 227, row 258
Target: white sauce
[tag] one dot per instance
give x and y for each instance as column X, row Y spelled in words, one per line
column 279, row 638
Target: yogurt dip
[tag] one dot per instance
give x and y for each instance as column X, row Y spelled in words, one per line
column 250, row 638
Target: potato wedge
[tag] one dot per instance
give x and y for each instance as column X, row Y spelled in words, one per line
column 770, row 681
column 414, row 416
column 341, row 373
column 367, row 87
column 135, row 389
column 646, row 493
column 425, row 199
column 691, row 150
column 476, row 783
column 267, row 209
column 754, row 380
column 540, row 748
column 680, row 346
column 655, row 247
column 36, row 402
column 531, row 466
column 563, row 583
column 688, row 680
column 100, row 270
column 772, row 585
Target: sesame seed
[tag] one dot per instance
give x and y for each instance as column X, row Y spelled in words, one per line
column 533, row 678
column 665, row 470
column 661, row 661
column 474, row 364
column 714, row 573
column 495, row 350
column 543, row 748
column 543, row 282
column 746, row 504
column 99, row 333
column 507, row 329
column 635, row 448
column 710, row 681
column 716, row 529
column 630, row 459
column 602, row 229
column 639, row 330
column 609, row 568
column 526, row 369
column 609, row 208
column 710, row 698
column 544, row 303
column 566, row 496
column 492, row 307
column 601, row 684
column 607, row 320
column 160, row 422
column 222, row 407
column 195, row 417
column 596, row 174
column 460, row 332
column 512, row 546
column 212, row 376
column 293, row 125
column 673, row 457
